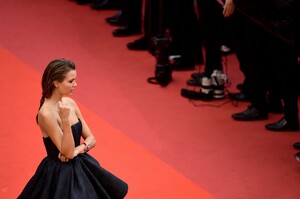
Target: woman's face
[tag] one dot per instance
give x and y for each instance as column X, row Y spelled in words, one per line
column 67, row 86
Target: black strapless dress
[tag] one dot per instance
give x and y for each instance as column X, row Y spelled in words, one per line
column 80, row 178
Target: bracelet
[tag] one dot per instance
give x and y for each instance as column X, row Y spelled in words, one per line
column 87, row 147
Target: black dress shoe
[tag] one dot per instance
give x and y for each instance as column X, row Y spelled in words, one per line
column 116, row 20
column 125, row 31
column 118, row 15
column 239, row 96
column 139, row 44
column 195, row 82
column 250, row 114
column 197, row 75
column 282, row 125
column 106, row 5
column 296, row 145
column 297, row 156
column 81, row 2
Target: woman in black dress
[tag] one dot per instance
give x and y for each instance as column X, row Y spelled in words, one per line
column 68, row 171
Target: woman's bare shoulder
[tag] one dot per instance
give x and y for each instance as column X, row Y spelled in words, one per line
column 69, row 100
column 45, row 114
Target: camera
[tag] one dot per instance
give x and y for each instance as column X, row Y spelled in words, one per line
column 163, row 68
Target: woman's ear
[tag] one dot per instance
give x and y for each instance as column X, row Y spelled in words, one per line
column 55, row 83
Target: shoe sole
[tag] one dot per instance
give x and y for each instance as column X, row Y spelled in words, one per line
column 250, row 119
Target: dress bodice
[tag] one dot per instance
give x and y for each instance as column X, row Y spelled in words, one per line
column 52, row 151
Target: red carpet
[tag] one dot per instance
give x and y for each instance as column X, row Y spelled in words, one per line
column 147, row 176
column 161, row 144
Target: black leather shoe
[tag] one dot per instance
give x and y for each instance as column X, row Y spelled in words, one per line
column 197, row 75
column 116, row 20
column 125, row 31
column 239, row 96
column 106, row 5
column 296, row 145
column 282, row 125
column 297, row 156
column 139, row 44
column 195, row 82
column 250, row 114
column 118, row 15
column 81, row 2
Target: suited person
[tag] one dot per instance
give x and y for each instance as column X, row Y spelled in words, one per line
column 260, row 63
column 288, row 55
column 262, row 74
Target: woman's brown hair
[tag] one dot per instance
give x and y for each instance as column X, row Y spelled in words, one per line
column 55, row 71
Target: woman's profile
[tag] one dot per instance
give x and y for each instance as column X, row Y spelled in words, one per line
column 68, row 171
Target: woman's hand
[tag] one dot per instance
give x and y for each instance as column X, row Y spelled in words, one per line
column 62, row 158
column 64, row 111
column 228, row 8
column 76, row 151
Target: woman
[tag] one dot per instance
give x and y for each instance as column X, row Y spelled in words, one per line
column 67, row 171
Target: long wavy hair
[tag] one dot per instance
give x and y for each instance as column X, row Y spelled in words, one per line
column 55, row 71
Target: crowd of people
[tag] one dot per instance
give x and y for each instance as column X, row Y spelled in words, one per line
column 263, row 34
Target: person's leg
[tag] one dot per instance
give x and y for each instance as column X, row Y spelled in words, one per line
column 132, row 12
column 237, row 26
column 212, row 21
column 290, row 89
column 259, row 74
column 183, row 32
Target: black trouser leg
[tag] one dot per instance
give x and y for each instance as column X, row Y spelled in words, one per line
column 259, row 61
column 291, row 90
column 238, row 31
column 212, row 22
column 132, row 10
column 183, row 30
